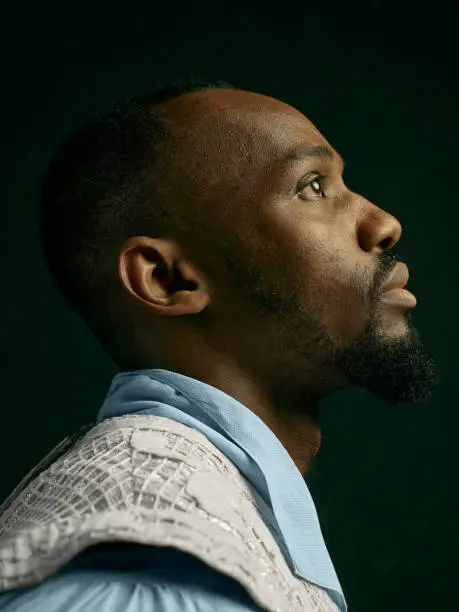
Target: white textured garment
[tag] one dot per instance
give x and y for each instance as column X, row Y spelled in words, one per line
column 154, row 481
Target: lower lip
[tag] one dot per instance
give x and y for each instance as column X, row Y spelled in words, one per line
column 399, row 297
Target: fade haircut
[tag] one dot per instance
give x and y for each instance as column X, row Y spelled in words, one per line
column 99, row 190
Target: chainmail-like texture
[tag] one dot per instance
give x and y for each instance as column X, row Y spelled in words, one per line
column 149, row 480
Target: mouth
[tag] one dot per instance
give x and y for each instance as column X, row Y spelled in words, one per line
column 394, row 292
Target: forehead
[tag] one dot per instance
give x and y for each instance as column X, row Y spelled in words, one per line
column 272, row 126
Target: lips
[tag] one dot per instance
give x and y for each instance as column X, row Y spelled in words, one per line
column 399, row 297
column 399, row 278
column 393, row 291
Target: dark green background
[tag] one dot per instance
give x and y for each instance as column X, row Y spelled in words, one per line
column 380, row 82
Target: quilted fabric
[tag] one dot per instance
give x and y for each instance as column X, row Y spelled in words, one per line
column 154, row 481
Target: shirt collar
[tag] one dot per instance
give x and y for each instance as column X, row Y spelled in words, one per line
column 285, row 500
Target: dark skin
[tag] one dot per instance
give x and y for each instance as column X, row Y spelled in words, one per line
column 276, row 297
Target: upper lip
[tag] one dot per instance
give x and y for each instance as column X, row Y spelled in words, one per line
column 399, row 278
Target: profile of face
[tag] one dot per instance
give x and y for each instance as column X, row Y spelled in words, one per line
column 292, row 294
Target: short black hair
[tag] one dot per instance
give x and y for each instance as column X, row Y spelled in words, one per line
column 98, row 190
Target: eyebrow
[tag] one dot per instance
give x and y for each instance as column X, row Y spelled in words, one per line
column 296, row 155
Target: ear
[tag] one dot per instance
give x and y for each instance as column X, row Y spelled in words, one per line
column 154, row 272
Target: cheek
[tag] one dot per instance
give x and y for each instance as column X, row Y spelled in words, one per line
column 344, row 312
column 312, row 270
column 332, row 293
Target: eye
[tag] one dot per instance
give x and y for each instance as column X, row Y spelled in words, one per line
column 314, row 183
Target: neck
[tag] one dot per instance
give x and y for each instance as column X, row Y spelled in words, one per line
column 302, row 440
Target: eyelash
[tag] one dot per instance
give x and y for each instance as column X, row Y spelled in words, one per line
column 305, row 183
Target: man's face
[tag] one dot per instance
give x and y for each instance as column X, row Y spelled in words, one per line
column 301, row 258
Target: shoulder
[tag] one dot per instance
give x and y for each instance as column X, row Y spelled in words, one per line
column 182, row 583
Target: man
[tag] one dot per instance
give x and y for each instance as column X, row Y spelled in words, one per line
column 207, row 237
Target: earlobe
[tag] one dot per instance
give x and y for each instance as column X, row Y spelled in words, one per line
column 189, row 295
column 189, row 302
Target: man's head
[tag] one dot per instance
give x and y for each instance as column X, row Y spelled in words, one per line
column 233, row 248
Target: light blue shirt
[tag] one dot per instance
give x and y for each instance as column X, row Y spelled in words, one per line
column 134, row 578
